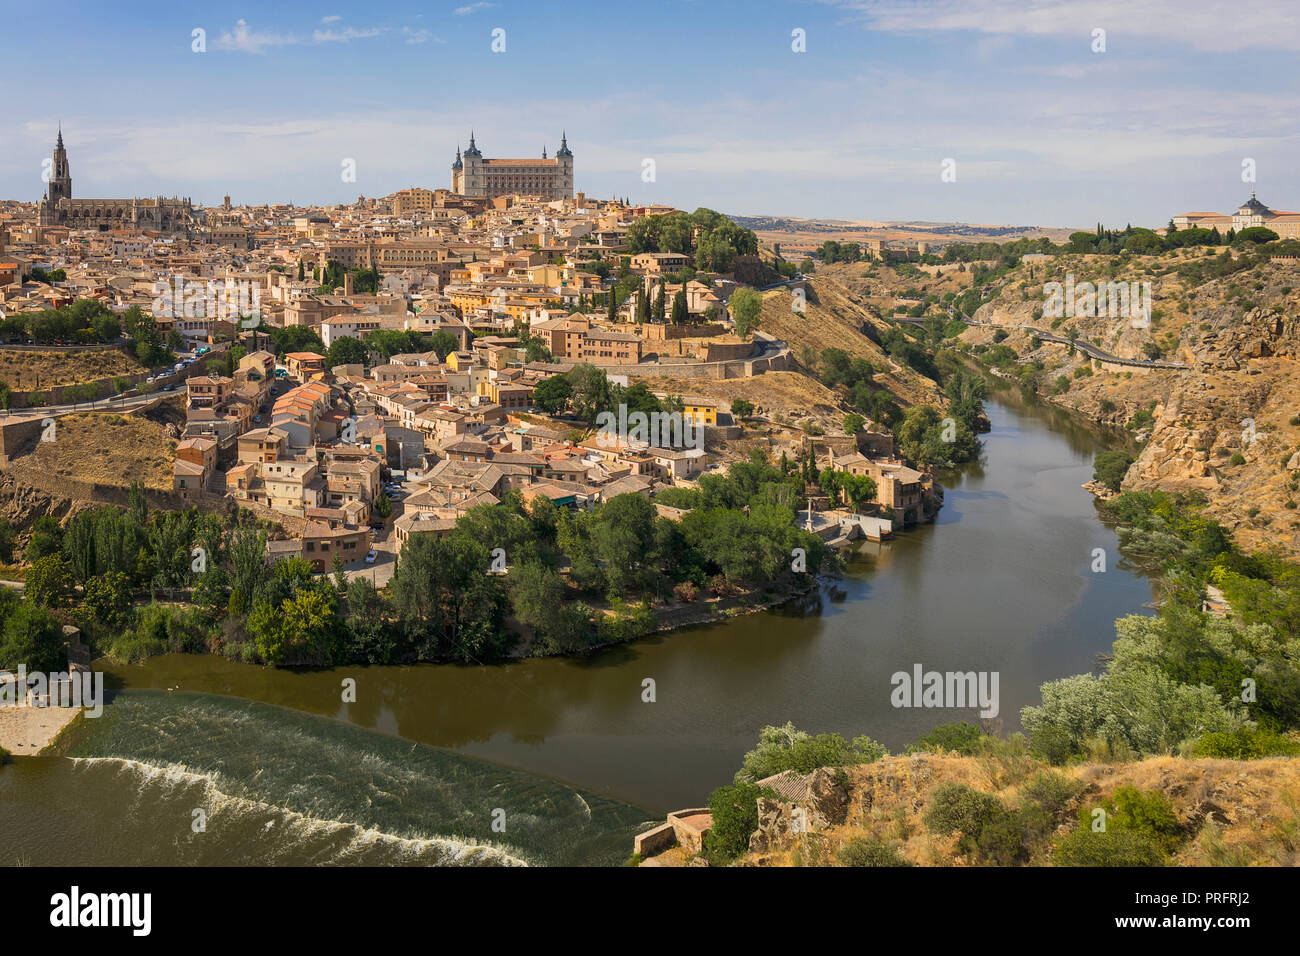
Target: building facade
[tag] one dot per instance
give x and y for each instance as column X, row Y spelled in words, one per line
column 58, row 208
column 1249, row 214
column 548, row 178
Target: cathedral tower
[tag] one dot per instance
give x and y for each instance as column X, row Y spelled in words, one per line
column 60, row 186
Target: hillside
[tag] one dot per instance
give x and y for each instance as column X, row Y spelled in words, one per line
column 108, row 451
column 836, row 317
column 1226, row 426
column 22, row 370
column 1227, row 812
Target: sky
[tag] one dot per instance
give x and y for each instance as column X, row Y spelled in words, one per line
column 1037, row 118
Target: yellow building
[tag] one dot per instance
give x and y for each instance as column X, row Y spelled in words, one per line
column 700, row 411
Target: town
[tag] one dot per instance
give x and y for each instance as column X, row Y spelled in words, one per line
column 362, row 374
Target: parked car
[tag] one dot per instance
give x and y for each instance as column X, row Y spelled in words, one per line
column 372, row 556
column 170, row 387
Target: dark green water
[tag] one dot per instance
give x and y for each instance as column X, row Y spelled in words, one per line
column 280, row 787
column 1001, row 582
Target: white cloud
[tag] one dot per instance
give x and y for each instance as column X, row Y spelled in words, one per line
column 1200, row 24
column 332, row 18
column 245, row 40
column 346, row 35
column 472, row 8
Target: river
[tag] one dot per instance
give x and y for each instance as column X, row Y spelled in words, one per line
column 560, row 761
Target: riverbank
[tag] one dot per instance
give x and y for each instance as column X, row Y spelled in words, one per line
column 25, row 731
column 1016, row 524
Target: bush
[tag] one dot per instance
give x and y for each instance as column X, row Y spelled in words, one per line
column 1245, row 744
column 686, row 592
column 957, row 737
column 955, row 806
column 1083, row 847
column 871, row 851
column 1051, row 790
column 1109, row 468
column 1237, row 458
column 735, row 817
column 1149, row 814
column 785, row 748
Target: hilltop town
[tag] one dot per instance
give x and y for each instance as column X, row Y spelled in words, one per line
column 355, row 377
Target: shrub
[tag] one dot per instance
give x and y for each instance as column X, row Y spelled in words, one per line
column 871, row 851
column 1002, row 839
column 735, row 817
column 955, row 806
column 957, row 737
column 1051, row 790
column 1148, row 814
column 686, row 592
column 1237, row 458
column 1110, row 467
column 786, row 748
column 1083, row 847
column 1245, row 744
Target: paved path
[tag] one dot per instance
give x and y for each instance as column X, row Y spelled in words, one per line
column 1085, row 347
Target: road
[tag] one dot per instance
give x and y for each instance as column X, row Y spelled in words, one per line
column 1086, row 347
column 124, row 401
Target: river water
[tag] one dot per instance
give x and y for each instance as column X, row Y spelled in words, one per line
column 561, row 761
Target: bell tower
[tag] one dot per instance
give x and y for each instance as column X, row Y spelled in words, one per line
column 60, row 186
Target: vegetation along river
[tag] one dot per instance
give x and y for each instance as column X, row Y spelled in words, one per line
column 567, row 750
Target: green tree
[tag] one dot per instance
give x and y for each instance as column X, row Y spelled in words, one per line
column 33, row 637
column 745, row 305
column 1110, row 467
column 552, row 394
column 680, row 314
column 345, row 350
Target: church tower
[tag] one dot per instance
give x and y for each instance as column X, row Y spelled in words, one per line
column 60, row 186
column 473, row 180
column 564, row 158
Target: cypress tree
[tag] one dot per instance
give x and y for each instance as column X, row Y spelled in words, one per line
column 680, row 315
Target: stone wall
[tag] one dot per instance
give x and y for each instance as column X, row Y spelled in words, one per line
column 16, row 436
column 655, row 840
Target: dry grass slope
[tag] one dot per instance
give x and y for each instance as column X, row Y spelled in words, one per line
column 109, row 450
column 24, row 371
column 1235, row 812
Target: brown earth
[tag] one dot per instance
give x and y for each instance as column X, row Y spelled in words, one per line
column 836, row 317
column 24, row 371
column 100, row 449
column 1241, row 396
column 1231, row 812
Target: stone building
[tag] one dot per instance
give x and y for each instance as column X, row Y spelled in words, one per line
column 58, row 208
column 547, row 178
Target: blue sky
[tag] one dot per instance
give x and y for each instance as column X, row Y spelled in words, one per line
column 1042, row 129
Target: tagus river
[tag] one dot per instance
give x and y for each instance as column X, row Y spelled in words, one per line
column 201, row 760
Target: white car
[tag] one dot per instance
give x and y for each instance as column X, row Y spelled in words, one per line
column 372, row 556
